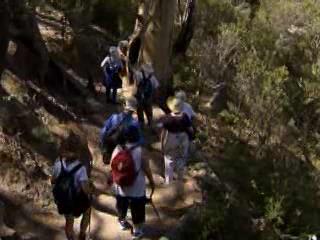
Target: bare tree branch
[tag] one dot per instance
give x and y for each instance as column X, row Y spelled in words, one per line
column 186, row 33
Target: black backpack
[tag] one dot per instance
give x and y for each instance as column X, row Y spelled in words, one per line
column 64, row 191
column 144, row 88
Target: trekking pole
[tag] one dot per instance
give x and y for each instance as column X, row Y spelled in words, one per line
column 89, row 234
column 155, row 210
column 90, row 199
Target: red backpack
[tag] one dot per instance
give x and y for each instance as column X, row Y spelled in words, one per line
column 123, row 168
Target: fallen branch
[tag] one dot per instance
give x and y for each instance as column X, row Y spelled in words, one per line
column 52, row 100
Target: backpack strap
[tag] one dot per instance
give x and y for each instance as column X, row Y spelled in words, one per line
column 144, row 77
column 75, row 169
column 61, row 164
column 130, row 149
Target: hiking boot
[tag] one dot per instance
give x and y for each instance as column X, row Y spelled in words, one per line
column 124, row 225
column 137, row 234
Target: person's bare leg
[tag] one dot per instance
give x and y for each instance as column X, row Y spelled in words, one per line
column 149, row 113
column 69, row 227
column 85, row 221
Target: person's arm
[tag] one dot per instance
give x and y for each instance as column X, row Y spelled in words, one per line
column 163, row 136
column 147, row 170
column 90, row 189
column 55, row 172
column 103, row 63
column 156, row 89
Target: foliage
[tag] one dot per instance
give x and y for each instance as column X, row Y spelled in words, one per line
column 268, row 132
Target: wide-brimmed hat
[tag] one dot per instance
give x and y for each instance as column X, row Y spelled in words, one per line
column 181, row 95
column 131, row 104
column 175, row 104
column 147, row 68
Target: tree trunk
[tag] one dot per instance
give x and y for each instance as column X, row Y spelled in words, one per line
column 187, row 29
column 157, row 43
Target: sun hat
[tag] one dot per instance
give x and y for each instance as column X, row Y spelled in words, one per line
column 131, row 104
column 181, row 95
column 175, row 104
column 123, row 44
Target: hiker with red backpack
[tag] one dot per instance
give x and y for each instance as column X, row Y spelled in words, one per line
column 175, row 138
column 129, row 169
column 71, row 187
column 147, row 87
column 112, row 131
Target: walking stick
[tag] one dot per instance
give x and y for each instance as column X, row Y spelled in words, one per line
column 149, row 201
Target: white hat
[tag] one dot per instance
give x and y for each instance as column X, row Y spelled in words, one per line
column 147, row 68
column 131, row 104
column 114, row 52
column 181, row 95
column 123, row 43
column 175, row 104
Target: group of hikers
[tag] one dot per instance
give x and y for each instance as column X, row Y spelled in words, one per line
column 122, row 144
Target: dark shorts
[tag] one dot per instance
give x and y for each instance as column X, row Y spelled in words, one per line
column 82, row 204
column 137, row 206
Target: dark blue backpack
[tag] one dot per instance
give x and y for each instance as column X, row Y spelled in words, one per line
column 64, row 191
column 112, row 74
column 144, row 88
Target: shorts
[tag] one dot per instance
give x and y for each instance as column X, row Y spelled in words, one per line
column 81, row 205
column 137, row 206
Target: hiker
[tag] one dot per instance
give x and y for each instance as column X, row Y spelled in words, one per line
column 146, row 91
column 123, row 51
column 129, row 182
column 186, row 107
column 112, row 66
column 176, row 128
column 71, row 187
column 112, row 132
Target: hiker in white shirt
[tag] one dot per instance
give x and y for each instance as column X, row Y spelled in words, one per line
column 134, row 195
column 68, row 162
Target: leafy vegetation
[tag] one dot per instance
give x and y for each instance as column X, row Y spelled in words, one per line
column 267, row 135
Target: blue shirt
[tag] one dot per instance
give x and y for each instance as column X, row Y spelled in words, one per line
column 115, row 119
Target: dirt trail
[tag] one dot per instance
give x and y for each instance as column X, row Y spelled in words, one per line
column 43, row 223
column 171, row 201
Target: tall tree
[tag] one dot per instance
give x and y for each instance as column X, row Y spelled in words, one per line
column 153, row 38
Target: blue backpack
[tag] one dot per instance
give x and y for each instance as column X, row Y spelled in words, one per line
column 111, row 77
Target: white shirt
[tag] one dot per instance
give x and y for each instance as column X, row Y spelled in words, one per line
column 138, row 188
column 111, row 61
column 80, row 175
column 187, row 109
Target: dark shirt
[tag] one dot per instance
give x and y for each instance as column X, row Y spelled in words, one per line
column 176, row 123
